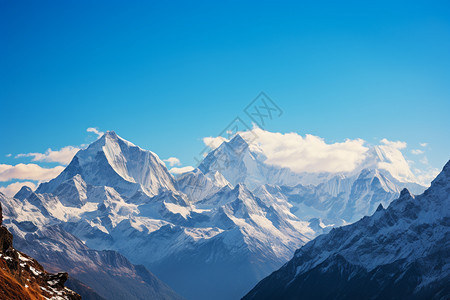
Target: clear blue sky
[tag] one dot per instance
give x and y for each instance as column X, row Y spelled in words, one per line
column 164, row 74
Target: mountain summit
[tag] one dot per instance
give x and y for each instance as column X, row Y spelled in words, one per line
column 115, row 162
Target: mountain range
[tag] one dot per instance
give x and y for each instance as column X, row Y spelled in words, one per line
column 401, row 252
column 213, row 232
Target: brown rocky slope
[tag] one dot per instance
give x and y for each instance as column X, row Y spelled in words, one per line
column 22, row 277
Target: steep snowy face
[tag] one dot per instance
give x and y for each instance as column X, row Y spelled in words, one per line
column 401, row 251
column 198, row 186
column 115, row 162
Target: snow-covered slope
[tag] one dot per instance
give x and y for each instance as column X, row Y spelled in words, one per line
column 231, row 233
column 198, row 186
column 337, row 201
column 108, row 273
column 402, row 252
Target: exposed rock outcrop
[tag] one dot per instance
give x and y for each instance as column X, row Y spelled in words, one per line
column 22, row 277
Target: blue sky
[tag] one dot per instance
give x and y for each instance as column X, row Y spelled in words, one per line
column 166, row 74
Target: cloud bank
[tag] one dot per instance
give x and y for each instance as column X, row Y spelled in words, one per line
column 302, row 154
column 312, row 154
column 14, row 187
column 28, row 172
column 62, row 156
column 177, row 171
column 172, row 161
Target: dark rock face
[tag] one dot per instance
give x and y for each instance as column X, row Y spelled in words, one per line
column 22, row 277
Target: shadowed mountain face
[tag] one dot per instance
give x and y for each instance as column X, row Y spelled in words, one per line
column 401, row 252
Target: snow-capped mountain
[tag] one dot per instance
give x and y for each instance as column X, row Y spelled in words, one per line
column 401, row 252
column 335, row 198
column 241, row 162
column 114, row 162
column 116, row 196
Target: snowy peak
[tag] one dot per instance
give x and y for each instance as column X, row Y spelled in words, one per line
column 72, row 192
column 115, row 162
column 23, row 193
column 390, row 160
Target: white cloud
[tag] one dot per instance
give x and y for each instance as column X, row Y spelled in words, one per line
column 28, row 172
column 395, row 144
column 426, row 176
column 182, row 170
column 14, row 187
column 63, row 156
column 8, row 155
column 424, row 160
column 172, row 161
column 417, row 151
column 312, row 154
column 95, row 130
column 307, row 154
column 424, row 144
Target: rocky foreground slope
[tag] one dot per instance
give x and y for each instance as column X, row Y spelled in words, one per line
column 22, row 277
column 402, row 252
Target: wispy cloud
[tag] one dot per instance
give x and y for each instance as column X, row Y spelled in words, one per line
column 172, row 161
column 417, row 151
column 426, row 176
column 62, row 156
column 95, row 130
column 8, row 155
column 177, row 171
column 28, row 172
column 13, row 188
column 424, row 160
column 395, row 144
column 424, row 144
